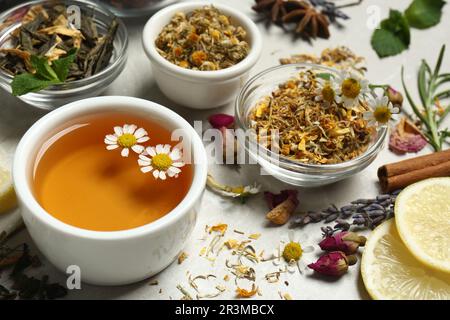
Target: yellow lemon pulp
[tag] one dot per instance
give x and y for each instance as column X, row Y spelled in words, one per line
column 422, row 216
column 390, row 271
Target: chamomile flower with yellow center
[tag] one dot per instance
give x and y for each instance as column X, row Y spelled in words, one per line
column 350, row 89
column 290, row 251
column 162, row 161
column 326, row 91
column 381, row 111
column 126, row 137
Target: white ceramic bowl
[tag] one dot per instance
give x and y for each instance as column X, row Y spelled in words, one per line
column 118, row 257
column 194, row 88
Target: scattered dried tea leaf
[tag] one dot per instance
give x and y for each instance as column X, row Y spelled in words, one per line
column 183, row 256
column 255, row 236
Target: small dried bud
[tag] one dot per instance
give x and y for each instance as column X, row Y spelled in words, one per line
column 347, row 242
column 220, row 120
column 394, row 96
column 274, row 200
column 333, row 263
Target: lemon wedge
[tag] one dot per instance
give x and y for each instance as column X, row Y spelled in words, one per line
column 8, row 198
column 422, row 216
column 390, row 271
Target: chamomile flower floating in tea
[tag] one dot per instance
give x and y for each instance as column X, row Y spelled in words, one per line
column 351, row 88
column 381, row 110
column 163, row 161
column 126, row 137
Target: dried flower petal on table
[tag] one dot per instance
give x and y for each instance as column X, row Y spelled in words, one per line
column 341, row 58
column 244, row 293
column 406, row 137
column 347, row 242
column 333, row 264
column 280, row 214
column 273, row 199
column 183, row 256
column 241, row 192
column 221, row 228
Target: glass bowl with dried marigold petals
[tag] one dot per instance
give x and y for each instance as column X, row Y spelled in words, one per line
column 306, row 124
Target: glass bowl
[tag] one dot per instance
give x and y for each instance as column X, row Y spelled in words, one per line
column 282, row 168
column 60, row 94
column 135, row 8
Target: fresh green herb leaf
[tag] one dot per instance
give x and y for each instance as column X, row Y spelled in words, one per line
column 422, row 14
column 393, row 36
column 62, row 65
column 43, row 69
column 324, row 76
column 27, row 82
column 45, row 75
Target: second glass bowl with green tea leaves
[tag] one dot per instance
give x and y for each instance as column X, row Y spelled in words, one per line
column 310, row 125
column 55, row 52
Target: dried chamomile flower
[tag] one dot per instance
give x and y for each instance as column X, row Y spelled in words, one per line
column 127, row 137
column 242, row 192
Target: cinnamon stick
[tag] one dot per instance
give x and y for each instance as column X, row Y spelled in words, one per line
column 403, row 173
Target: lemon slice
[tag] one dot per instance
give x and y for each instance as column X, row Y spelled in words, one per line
column 422, row 216
column 390, row 271
column 8, row 198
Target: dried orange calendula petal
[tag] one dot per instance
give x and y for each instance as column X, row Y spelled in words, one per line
column 244, row 293
column 222, row 228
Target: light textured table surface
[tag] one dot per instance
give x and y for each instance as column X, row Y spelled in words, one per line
column 137, row 81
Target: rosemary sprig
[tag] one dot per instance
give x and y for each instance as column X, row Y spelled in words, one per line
column 430, row 112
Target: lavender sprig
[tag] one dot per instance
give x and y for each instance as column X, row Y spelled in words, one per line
column 364, row 213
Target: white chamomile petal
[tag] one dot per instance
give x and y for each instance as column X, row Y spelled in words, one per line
column 110, row 142
column 111, row 137
column 178, row 164
column 143, row 139
column 146, row 169
column 159, row 149
column 112, row 146
column 143, row 162
column 166, row 149
column 125, row 152
column 308, row 249
column 140, row 133
column 137, row 148
column 395, row 110
column 162, row 175
column 175, row 154
column 156, row 174
column 118, row 131
column 144, row 158
column 174, row 170
column 151, row 151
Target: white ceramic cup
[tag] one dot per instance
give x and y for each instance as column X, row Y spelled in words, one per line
column 194, row 88
column 117, row 257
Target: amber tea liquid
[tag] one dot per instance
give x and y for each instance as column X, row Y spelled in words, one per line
column 79, row 182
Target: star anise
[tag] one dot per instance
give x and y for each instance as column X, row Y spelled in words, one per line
column 276, row 8
column 310, row 22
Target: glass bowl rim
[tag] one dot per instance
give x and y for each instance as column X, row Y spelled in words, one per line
column 375, row 147
column 77, row 84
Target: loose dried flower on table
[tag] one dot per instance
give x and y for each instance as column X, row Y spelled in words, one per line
column 204, row 39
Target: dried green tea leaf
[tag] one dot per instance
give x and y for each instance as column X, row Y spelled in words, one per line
column 393, row 36
column 422, row 14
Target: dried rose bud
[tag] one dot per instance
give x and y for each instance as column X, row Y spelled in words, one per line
column 347, row 242
column 221, row 120
column 333, row 263
column 394, row 96
column 274, row 199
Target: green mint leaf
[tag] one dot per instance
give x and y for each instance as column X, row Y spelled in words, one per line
column 393, row 36
column 43, row 69
column 27, row 82
column 62, row 65
column 422, row 14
